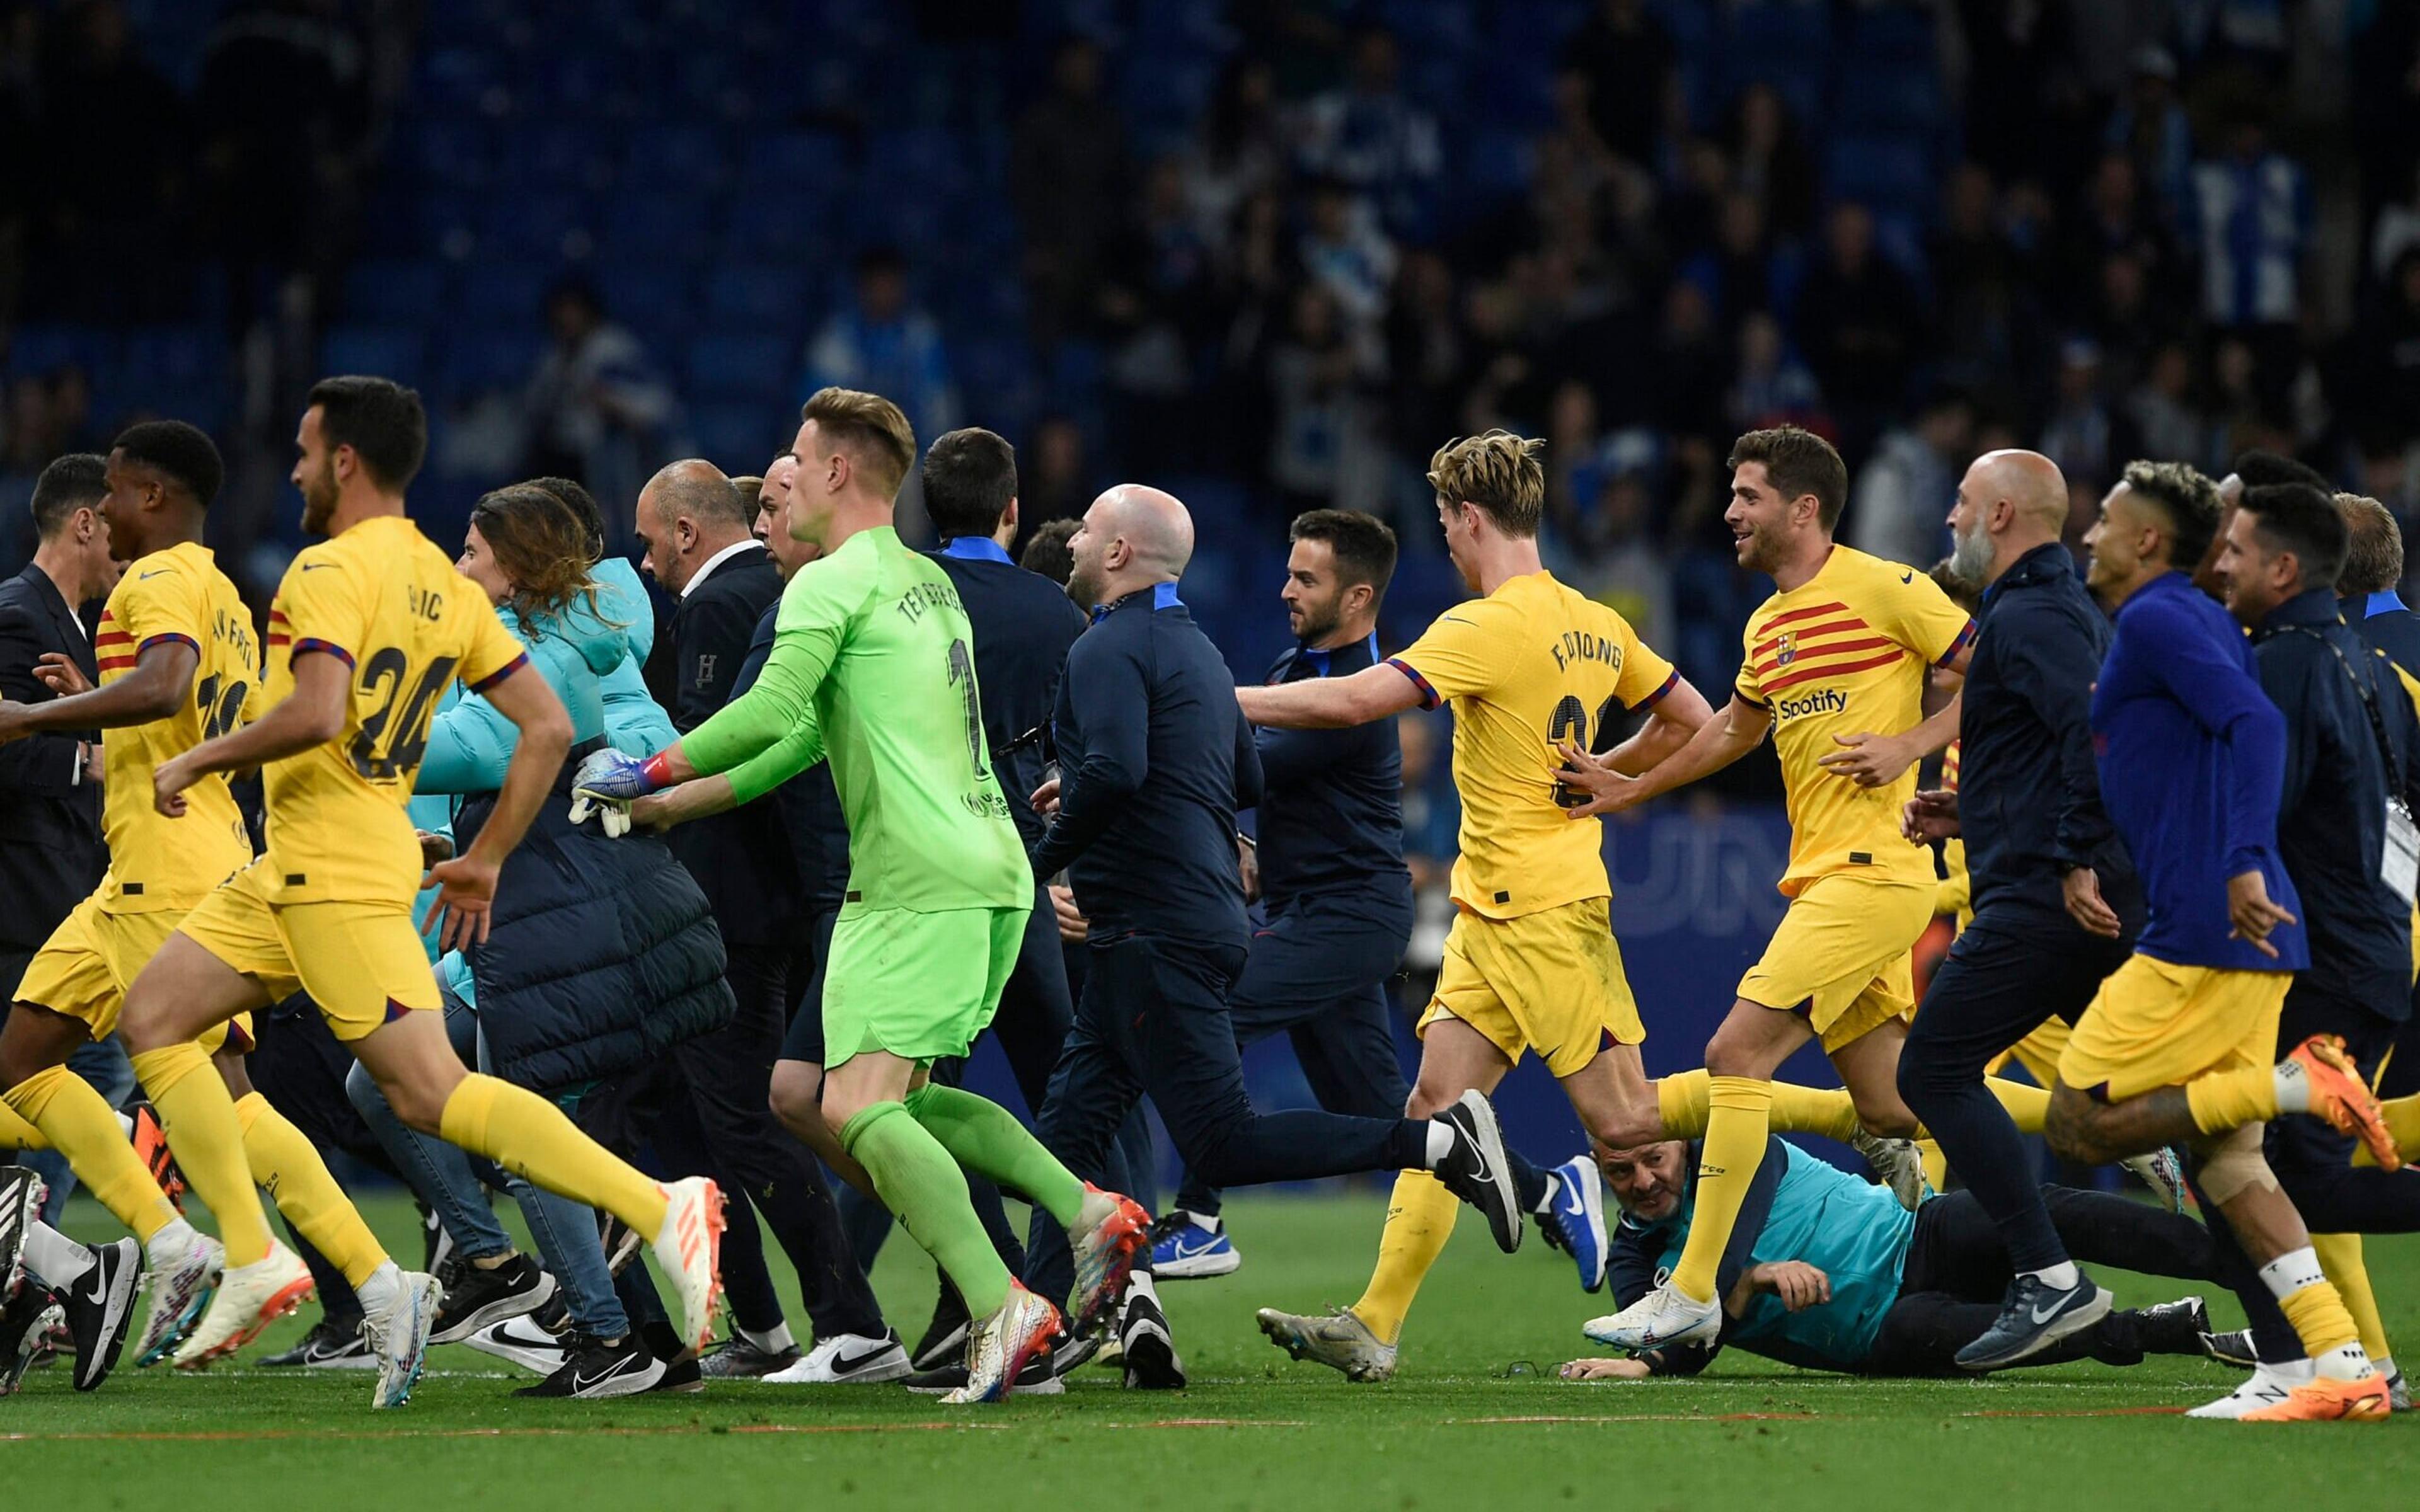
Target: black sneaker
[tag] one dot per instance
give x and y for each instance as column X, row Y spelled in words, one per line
column 436, row 1243
column 24, row 1322
column 681, row 1372
column 595, row 1370
column 1036, row 1380
column 1476, row 1169
column 945, row 1337
column 475, row 1297
column 99, row 1307
column 328, row 1347
column 2034, row 1317
column 736, row 1359
column 1145, row 1345
column 2234, row 1348
column 2173, row 1327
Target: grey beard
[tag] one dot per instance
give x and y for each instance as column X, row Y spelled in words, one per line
column 1970, row 556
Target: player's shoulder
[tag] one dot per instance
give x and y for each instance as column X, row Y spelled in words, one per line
column 1856, row 572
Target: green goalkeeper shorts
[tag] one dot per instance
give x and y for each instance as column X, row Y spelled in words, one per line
column 921, row 986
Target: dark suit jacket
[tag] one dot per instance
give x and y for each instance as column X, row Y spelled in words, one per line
column 741, row 860
column 50, row 851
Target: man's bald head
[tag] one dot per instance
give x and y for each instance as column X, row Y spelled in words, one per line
column 1132, row 537
column 686, row 513
column 2028, row 480
column 2008, row 504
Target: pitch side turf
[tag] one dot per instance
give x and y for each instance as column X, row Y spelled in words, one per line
column 1475, row 1423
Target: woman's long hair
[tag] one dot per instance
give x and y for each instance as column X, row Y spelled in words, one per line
column 544, row 546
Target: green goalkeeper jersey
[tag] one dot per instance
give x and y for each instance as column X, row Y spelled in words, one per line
column 873, row 668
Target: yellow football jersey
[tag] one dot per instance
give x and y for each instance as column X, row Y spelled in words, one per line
column 1844, row 653
column 157, row 863
column 387, row 603
column 1956, row 895
column 1532, row 664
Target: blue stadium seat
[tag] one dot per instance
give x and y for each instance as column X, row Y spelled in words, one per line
column 658, row 223
column 1893, row 33
column 538, row 227
column 386, row 351
column 796, row 162
column 175, row 357
column 740, row 436
column 1886, row 98
column 1886, row 172
column 740, row 366
column 483, row 360
column 756, row 295
column 658, row 300
column 450, row 153
column 508, row 296
column 684, row 158
column 394, row 293
column 41, row 349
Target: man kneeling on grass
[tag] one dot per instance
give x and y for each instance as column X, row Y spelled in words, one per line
column 1828, row 1272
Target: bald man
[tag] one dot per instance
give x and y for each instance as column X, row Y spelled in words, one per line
column 1155, row 759
column 2057, row 904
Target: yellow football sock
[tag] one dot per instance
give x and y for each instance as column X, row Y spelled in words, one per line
column 2319, row 1318
column 1420, row 1219
column 1936, row 1165
column 2402, row 1122
column 1682, row 1100
column 1737, row 1125
column 2027, row 1105
column 287, row 1166
column 65, row 1109
column 2231, row 1099
column 200, row 1121
column 2340, row 1256
column 529, row 1137
column 16, row 1134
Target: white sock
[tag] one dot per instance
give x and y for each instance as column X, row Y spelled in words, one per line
column 2291, row 1272
column 1547, row 1203
column 2383, row 1365
column 774, row 1340
column 1140, row 1282
column 2348, row 1362
column 2292, row 1372
column 2063, row 1276
column 1441, row 1142
column 381, row 1291
column 60, row 1261
column 1207, row 1222
column 2293, row 1088
column 176, row 1234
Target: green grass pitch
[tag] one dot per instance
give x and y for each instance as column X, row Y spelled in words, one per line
column 1475, row 1421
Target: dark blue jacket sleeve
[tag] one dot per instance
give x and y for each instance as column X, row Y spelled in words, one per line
column 43, row 764
column 2051, row 664
column 1250, row 779
column 2287, row 679
column 758, row 649
column 1111, row 702
column 2212, row 682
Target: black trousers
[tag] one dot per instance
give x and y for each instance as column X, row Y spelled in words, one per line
column 1153, row 1019
column 1958, row 1271
column 724, row 1127
column 2007, row 973
column 1318, row 973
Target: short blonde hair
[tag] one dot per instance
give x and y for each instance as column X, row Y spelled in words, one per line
column 871, row 428
column 2375, row 563
column 1498, row 472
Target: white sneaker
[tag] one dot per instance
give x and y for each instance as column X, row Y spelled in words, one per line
column 521, row 1341
column 250, row 1297
column 689, row 1248
column 2269, row 1387
column 998, row 1347
column 398, row 1335
column 1898, row 1163
column 181, row 1271
column 1662, row 1316
column 847, row 1359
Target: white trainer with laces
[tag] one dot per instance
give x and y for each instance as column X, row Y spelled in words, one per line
column 180, row 1269
column 250, row 1297
column 397, row 1333
column 1662, row 1317
column 689, row 1248
column 521, row 1341
column 2268, row 1387
column 847, row 1359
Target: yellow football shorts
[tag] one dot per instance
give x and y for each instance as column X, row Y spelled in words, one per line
column 362, row 963
column 1549, row 981
column 2155, row 1023
column 1844, row 952
column 83, row 970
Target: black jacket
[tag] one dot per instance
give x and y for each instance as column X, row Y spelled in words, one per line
column 2382, row 619
column 600, row 956
column 742, row 859
column 50, row 850
column 1024, row 625
column 809, row 804
column 2331, row 817
column 2028, row 792
column 1153, row 760
column 1331, row 809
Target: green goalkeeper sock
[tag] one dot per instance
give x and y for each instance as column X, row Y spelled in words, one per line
column 924, row 1189
column 986, row 1138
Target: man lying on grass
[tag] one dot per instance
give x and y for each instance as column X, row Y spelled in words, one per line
column 1827, row 1271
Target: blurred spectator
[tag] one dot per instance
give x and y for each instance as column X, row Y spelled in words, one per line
column 1241, row 149
column 884, row 345
column 1155, row 305
column 1053, row 483
column 2150, row 127
column 1772, row 387
column 115, row 159
column 2397, row 230
column 1369, row 137
column 1861, row 327
column 1898, row 508
column 2081, row 434
column 2167, row 424
column 2386, row 353
column 1628, row 58
column 595, row 410
column 1310, row 380
column 1691, row 363
column 1981, row 275
column 1347, row 253
column 2252, row 209
column 1432, row 833
column 2017, row 73
column 1428, row 355
column 1067, row 173
column 1736, row 271
column 1770, row 161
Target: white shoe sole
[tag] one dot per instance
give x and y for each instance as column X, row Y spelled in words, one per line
column 1196, row 1267
column 894, row 1367
column 503, row 1309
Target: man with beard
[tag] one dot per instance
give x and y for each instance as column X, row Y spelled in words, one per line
column 2056, row 906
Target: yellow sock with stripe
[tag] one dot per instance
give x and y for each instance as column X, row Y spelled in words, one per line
column 200, row 1121
column 2317, row 1312
column 63, row 1109
column 2231, row 1099
column 287, row 1167
column 529, row 1137
column 1682, row 1100
column 1737, row 1125
column 2340, row 1256
column 16, row 1134
column 1420, row 1219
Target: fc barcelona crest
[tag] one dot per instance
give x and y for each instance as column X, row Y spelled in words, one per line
column 1788, row 651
